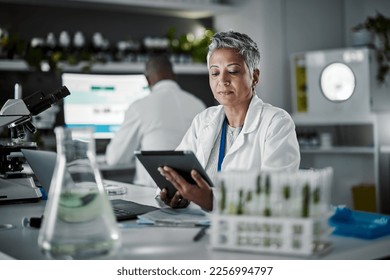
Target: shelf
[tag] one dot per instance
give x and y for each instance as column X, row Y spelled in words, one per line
column 339, row 150
column 179, row 8
column 193, row 9
column 109, row 67
column 121, row 67
column 385, row 149
column 13, row 65
column 329, row 120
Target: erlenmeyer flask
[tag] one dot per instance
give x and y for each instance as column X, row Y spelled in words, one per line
column 78, row 221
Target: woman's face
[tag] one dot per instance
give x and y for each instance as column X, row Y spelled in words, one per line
column 230, row 79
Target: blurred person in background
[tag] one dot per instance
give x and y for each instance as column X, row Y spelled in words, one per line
column 156, row 122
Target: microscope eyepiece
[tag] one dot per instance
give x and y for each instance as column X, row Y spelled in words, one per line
column 58, row 94
column 39, row 102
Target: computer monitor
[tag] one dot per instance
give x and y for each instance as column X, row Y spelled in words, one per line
column 100, row 100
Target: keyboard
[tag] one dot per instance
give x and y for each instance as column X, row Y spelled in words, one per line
column 128, row 210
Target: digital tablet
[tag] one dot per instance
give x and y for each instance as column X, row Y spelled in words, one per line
column 182, row 161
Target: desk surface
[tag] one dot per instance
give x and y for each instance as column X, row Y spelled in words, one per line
column 166, row 243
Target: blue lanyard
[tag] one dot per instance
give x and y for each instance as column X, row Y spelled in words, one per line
column 222, row 145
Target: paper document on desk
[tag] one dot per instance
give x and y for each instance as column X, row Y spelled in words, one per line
column 185, row 217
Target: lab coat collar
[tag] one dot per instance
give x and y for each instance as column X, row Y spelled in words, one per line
column 252, row 118
column 250, row 124
column 164, row 84
column 213, row 124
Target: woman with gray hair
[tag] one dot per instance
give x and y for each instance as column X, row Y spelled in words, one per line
column 242, row 133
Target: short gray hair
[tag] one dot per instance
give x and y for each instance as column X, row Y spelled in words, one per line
column 239, row 41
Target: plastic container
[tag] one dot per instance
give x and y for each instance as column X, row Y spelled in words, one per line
column 359, row 224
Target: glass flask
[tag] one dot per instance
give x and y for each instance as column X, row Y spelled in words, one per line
column 78, row 222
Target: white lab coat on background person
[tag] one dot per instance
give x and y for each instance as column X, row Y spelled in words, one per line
column 156, row 122
column 266, row 142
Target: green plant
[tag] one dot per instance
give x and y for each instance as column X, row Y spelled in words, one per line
column 380, row 26
column 187, row 44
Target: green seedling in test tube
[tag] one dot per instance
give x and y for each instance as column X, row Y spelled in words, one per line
column 248, row 196
column 257, row 204
column 316, row 195
column 248, row 203
column 267, row 210
column 223, row 197
column 316, row 213
column 240, row 207
column 305, row 200
column 258, row 185
column 286, row 192
column 232, row 208
column 286, row 196
column 230, row 203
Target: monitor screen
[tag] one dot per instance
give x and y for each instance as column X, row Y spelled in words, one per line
column 100, row 100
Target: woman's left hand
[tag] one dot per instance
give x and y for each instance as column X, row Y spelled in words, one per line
column 199, row 193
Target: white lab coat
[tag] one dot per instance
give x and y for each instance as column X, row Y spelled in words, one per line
column 156, row 122
column 266, row 142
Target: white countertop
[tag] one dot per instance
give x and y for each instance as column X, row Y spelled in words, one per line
column 146, row 243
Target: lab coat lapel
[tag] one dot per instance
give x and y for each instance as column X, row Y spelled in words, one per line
column 209, row 134
column 237, row 144
column 250, row 124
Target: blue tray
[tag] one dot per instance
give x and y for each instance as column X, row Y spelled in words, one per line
column 359, row 224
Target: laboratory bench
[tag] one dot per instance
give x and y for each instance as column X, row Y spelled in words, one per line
column 166, row 243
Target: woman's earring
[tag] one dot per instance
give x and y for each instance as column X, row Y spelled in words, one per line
column 254, row 86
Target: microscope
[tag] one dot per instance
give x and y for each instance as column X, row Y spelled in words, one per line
column 16, row 187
